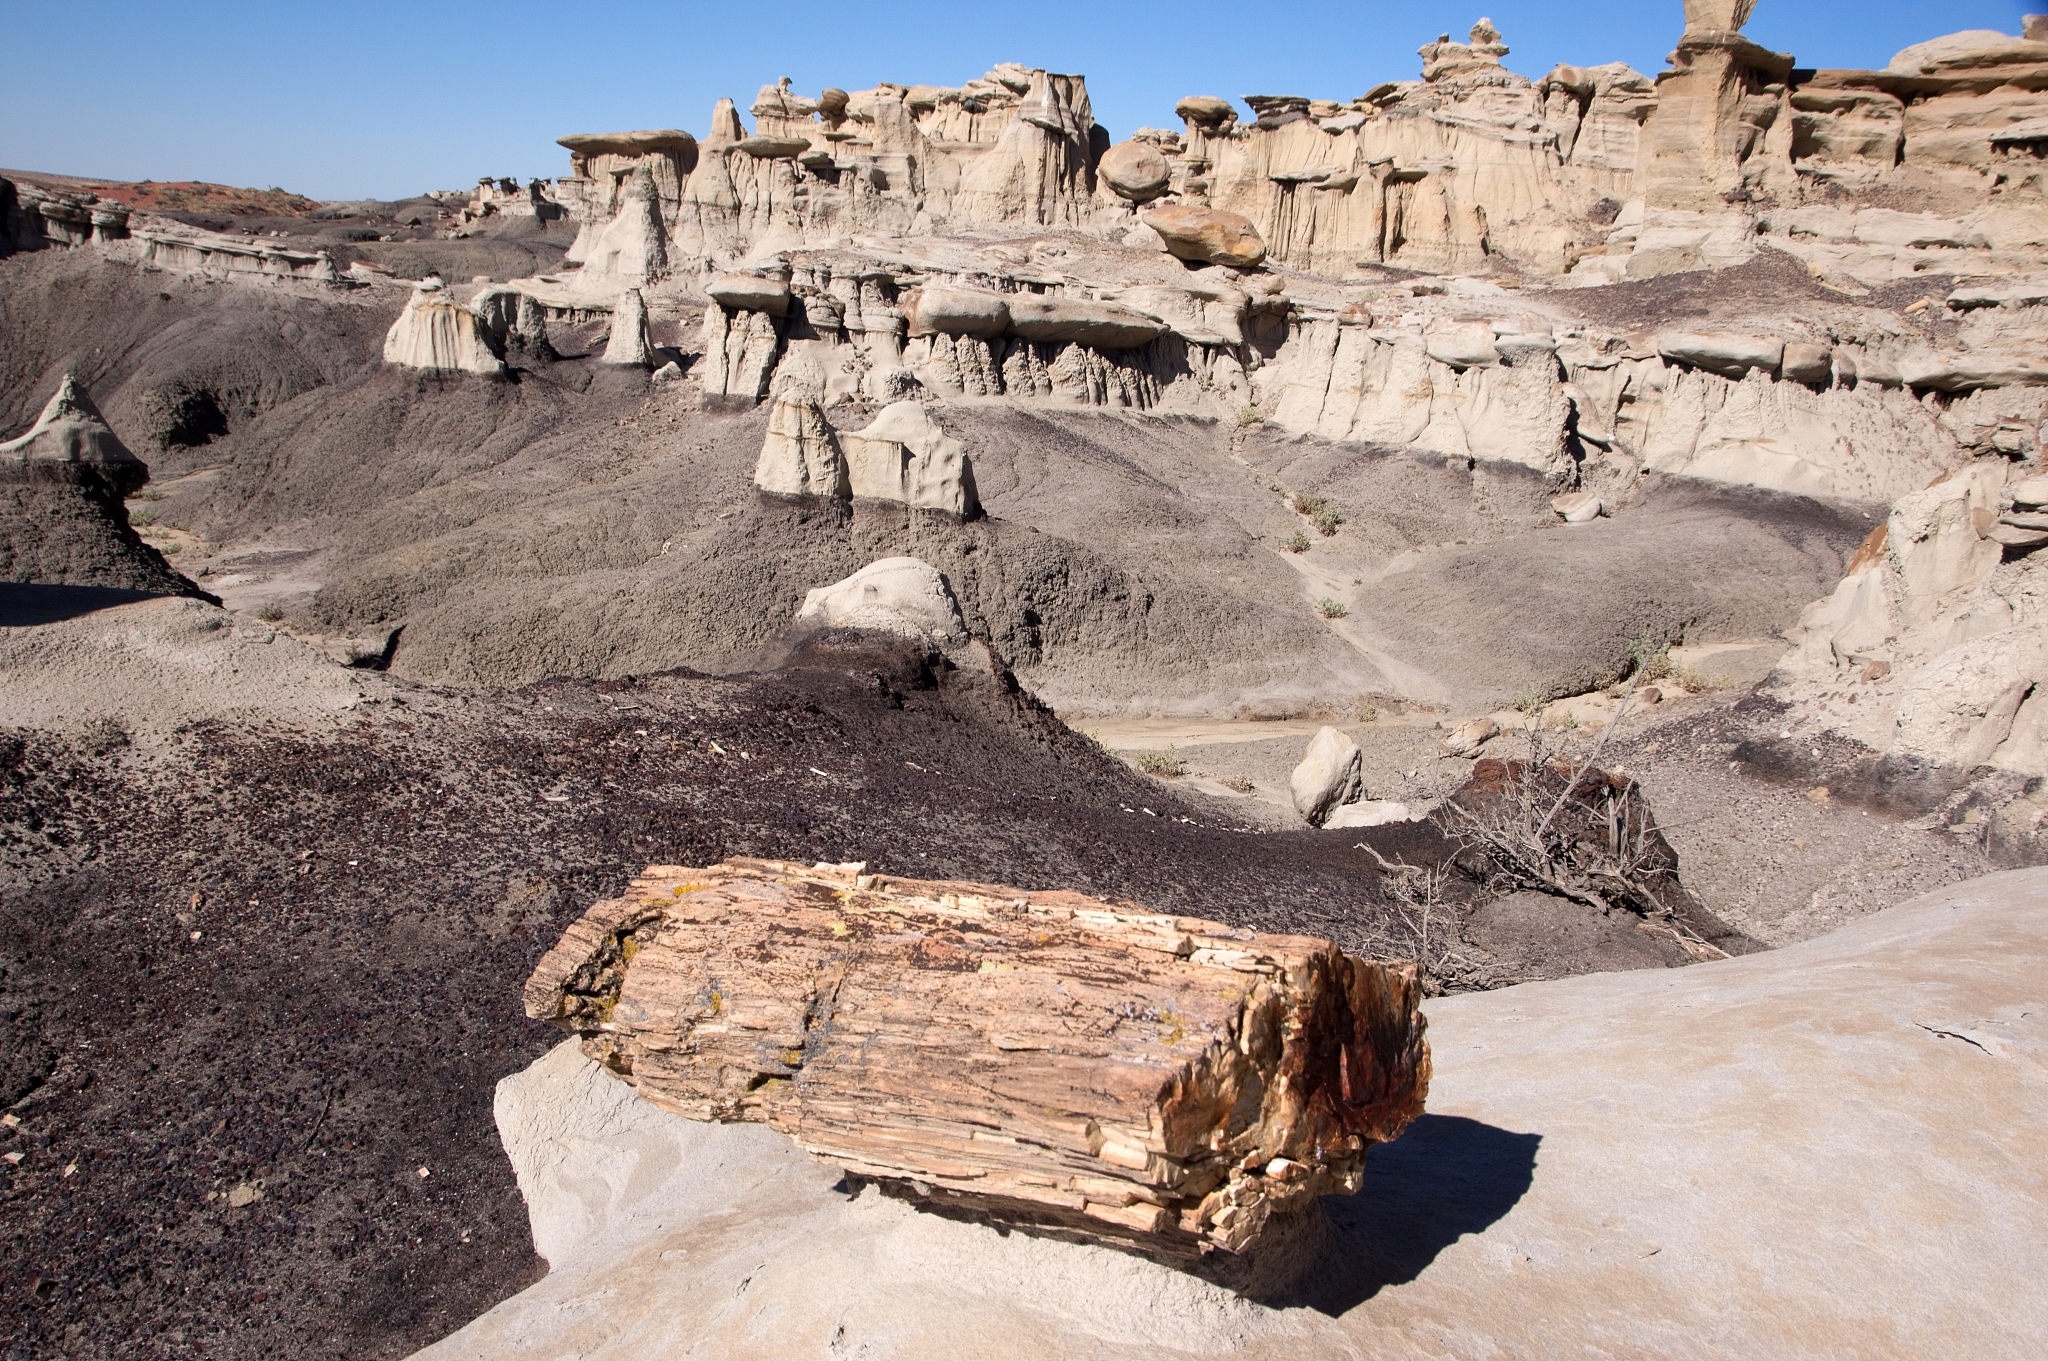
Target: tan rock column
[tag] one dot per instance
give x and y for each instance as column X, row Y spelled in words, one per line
column 1714, row 107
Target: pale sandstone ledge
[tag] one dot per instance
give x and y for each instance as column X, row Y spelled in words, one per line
column 1763, row 1157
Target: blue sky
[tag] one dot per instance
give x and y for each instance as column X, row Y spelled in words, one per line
column 384, row 99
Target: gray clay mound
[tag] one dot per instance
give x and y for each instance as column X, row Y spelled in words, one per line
column 173, row 362
column 68, row 532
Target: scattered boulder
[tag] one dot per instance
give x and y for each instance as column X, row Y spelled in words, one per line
column 1578, row 507
column 1328, row 776
column 440, row 335
column 1368, row 813
column 1806, row 362
column 1134, row 171
column 1208, row 235
column 907, row 597
column 1468, row 737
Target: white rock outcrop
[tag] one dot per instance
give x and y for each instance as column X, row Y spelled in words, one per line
column 904, row 455
column 800, row 454
column 1938, row 624
column 441, row 335
column 907, row 597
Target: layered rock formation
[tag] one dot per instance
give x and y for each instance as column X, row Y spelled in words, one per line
column 1934, row 647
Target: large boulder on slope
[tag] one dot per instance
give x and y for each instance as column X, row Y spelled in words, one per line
column 1328, row 776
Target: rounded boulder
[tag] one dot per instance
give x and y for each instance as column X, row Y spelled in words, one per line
column 1134, row 171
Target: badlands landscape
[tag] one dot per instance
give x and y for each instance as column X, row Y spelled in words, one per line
column 1533, row 578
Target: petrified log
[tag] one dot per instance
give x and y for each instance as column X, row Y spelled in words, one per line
column 1078, row 1067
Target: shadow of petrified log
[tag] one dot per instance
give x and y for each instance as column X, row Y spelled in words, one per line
column 1045, row 1061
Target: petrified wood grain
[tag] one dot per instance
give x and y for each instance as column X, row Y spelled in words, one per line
column 1054, row 1060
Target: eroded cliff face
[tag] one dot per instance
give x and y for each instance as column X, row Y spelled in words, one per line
column 1819, row 283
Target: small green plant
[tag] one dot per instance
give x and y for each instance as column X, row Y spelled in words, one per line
column 1297, row 542
column 1368, row 713
column 147, row 494
column 1331, row 609
column 170, row 549
column 142, row 519
column 1309, row 504
column 1652, row 657
column 1164, row 763
column 1249, row 415
column 1239, row 784
column 270, row 612
column 1529, row 705
column 1326, row 520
